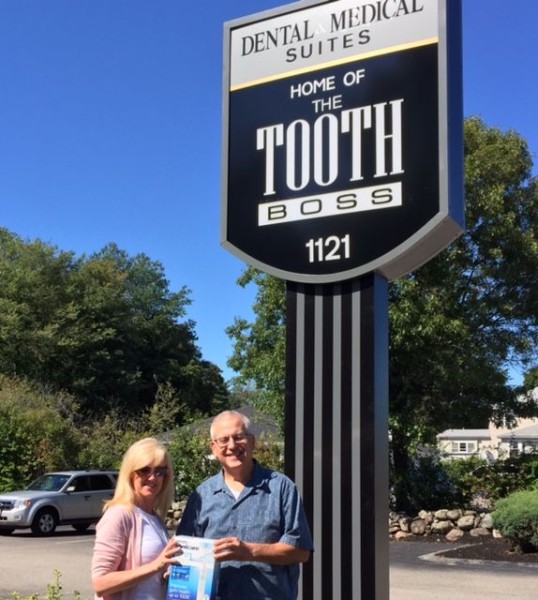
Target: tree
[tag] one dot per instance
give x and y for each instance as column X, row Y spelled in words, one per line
column 104, row 327
column 36, row 433
column 456, row 324
column 459, row 321
column 260, row 347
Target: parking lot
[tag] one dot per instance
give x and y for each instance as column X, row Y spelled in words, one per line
column 28, row 562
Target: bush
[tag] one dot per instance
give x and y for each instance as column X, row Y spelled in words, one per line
column 192, row 459
column 426, row 485
column 516, row 517
column 474, row 477
column 35, row 435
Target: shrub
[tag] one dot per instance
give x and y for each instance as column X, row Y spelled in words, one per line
column 474, row 477
column 426, row 485
column 516, row 517
column 35, row 435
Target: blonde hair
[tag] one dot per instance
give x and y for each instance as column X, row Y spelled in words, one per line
column 141, row 454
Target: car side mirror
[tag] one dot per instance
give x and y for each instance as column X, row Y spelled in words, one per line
column 70, row 489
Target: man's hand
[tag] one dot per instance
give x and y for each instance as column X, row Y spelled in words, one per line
column 231, row 548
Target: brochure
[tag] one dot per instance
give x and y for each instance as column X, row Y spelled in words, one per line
column 195, row 577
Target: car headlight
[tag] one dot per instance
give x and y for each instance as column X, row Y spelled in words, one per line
column 22, row 503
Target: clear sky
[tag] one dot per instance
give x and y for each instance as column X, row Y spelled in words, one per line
column 110, row 128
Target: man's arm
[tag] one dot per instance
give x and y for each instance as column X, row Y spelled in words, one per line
column 232, row 548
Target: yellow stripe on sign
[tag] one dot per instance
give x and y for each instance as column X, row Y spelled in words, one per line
column 340, row 61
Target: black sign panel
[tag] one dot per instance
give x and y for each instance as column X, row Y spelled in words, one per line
column 340, row 168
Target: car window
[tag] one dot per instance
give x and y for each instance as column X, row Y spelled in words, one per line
column 81, row 483
column 49, row 483
column 101, row 482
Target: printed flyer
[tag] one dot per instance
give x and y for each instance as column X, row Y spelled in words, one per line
column 195, row 577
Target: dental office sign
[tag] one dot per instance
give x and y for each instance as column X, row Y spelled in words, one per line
column 342, row 137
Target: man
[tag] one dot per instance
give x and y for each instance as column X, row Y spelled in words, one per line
column 255, row 515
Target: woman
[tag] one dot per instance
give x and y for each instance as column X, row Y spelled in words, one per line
column 132, row 551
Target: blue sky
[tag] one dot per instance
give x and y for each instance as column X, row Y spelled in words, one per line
column 110, row 128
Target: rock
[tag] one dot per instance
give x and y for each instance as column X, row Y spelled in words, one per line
column 454, row 535
column 418, row 527
column 441, row 526
column 404, row 523
column 479, row 532
column 401, row 535
column 466, row 523
column 426, row 516
column 486, row 521
column 453, row 515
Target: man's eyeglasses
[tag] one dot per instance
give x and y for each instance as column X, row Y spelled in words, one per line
column 148, row 471
column 238, row 438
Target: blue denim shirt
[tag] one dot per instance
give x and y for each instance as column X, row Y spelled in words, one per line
column 268, row 510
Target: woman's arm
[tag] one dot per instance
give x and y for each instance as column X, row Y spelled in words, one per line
column 116, row 581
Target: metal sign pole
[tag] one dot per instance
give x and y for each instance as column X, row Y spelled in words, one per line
column 336, row 432
column 342, row 170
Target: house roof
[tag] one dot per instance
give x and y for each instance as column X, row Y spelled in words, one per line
column 261, row 425
column 522, row 433
column 464, row 434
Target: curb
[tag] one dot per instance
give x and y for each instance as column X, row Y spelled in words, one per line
column 439, row 558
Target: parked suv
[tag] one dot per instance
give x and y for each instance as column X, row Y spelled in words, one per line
column 62, row 498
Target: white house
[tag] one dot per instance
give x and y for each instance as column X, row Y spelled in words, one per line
column 492, row 443
column 519, row 441
column 463, row 443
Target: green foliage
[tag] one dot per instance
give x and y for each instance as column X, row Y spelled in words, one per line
column 54, row 591
column 530, row 381
column 516, row 517
column 35, row 433
column 192, row 459
column 270, row 452
column 104, row 441
column 39, row 432
column 475, row 478
column 426, row 486
column 194, row 462
column 260, row 346
column 432, row 483
column 105, row 328
column 455, row 324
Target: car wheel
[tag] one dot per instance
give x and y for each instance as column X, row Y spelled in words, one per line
column 44, row 522
column 7, row 530
column 81, row 527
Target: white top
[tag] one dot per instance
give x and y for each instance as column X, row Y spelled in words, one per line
column 154, row 539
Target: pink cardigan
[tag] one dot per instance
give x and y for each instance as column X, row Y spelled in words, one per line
column 118, row 545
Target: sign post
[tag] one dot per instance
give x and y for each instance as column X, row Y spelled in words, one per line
column 342, row 170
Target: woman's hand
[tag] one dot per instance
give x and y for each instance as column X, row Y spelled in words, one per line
column 167, row 556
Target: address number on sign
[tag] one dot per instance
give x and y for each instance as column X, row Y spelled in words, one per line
column 330, row 248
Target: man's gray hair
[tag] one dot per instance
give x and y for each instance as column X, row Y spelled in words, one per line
column 225, row 414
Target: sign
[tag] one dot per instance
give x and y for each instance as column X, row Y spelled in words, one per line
column 342, row 145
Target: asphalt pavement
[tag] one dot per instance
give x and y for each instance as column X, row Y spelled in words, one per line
column 416, row 572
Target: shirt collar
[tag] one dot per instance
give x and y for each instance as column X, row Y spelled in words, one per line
column 258, row 479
